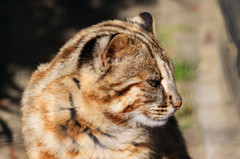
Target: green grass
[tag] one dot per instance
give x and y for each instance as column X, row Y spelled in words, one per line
column 183, row 70
column 165, row 34
column 185, row 123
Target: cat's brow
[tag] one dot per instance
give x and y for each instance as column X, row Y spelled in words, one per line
column 125, row 89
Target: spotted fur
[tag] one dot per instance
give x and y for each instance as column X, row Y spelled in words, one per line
column 100, row 95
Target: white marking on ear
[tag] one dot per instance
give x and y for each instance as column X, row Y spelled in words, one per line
column 102, row 43
column 146, row 21
column 137, row 19
column 100, row 60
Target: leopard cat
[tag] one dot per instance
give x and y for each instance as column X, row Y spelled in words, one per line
column 108, row 94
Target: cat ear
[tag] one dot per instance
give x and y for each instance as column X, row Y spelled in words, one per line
column 112, row 48
column 92, row 50
column 145, row 21
column 118, row 47
column 100, row 61
column 102, row 44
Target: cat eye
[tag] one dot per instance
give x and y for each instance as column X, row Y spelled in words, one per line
column 154, row 83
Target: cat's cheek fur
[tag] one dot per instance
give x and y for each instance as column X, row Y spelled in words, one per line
column 129, row 99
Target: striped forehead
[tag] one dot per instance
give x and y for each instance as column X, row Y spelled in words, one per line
column 116, row 27
column 147, row 39
column 164, row 67
column 150, row 42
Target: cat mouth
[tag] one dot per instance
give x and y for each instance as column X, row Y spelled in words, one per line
column 164, row 114
column 163, row 111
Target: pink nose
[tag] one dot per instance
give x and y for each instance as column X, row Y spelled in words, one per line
column 177, row 105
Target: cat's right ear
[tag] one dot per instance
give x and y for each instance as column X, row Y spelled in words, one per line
column 111, row 49
column 92, row 53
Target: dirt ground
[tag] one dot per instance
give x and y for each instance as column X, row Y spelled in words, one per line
column 196, row 30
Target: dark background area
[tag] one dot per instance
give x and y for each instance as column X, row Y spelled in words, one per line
column 32, row 31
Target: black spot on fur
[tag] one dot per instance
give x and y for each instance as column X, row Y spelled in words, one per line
column 139, row 144
column 63, row 127
column 108, row 135
column 70, row 99
column 77, row 82
column 95, row 140
column 73, row 113
column 87, row 130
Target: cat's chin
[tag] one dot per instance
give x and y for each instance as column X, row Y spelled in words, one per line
column 150, row 122
column 141, row 119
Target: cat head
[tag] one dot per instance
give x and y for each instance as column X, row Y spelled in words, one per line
column 129, row 78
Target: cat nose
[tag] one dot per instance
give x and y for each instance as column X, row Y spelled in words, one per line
column 177, row 105
column 176, row 101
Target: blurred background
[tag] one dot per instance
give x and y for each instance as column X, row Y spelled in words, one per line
column 202, row 38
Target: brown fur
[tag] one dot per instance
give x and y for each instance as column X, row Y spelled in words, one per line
column 101, row 94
